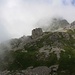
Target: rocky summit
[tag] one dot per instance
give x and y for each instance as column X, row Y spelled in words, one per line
column 42, row 53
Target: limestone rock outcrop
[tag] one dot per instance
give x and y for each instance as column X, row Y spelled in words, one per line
column 36, row 32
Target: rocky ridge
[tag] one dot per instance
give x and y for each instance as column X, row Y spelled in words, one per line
column 48, row 53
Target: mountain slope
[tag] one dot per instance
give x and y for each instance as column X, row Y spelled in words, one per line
column 51, row 52
column 49, row 48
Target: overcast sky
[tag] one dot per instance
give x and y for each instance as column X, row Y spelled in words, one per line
column 19, row 17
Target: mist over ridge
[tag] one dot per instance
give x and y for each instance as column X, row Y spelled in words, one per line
column 19, row 17
column 37, row 37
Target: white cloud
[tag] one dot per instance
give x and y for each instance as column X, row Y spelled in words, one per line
column 19, row 16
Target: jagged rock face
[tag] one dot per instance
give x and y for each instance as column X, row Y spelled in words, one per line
column 64, row 22
column 56, row 24
column 36, row 32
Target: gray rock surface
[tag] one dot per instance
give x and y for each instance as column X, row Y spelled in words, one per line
column 41, row 70
column 36, row 32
